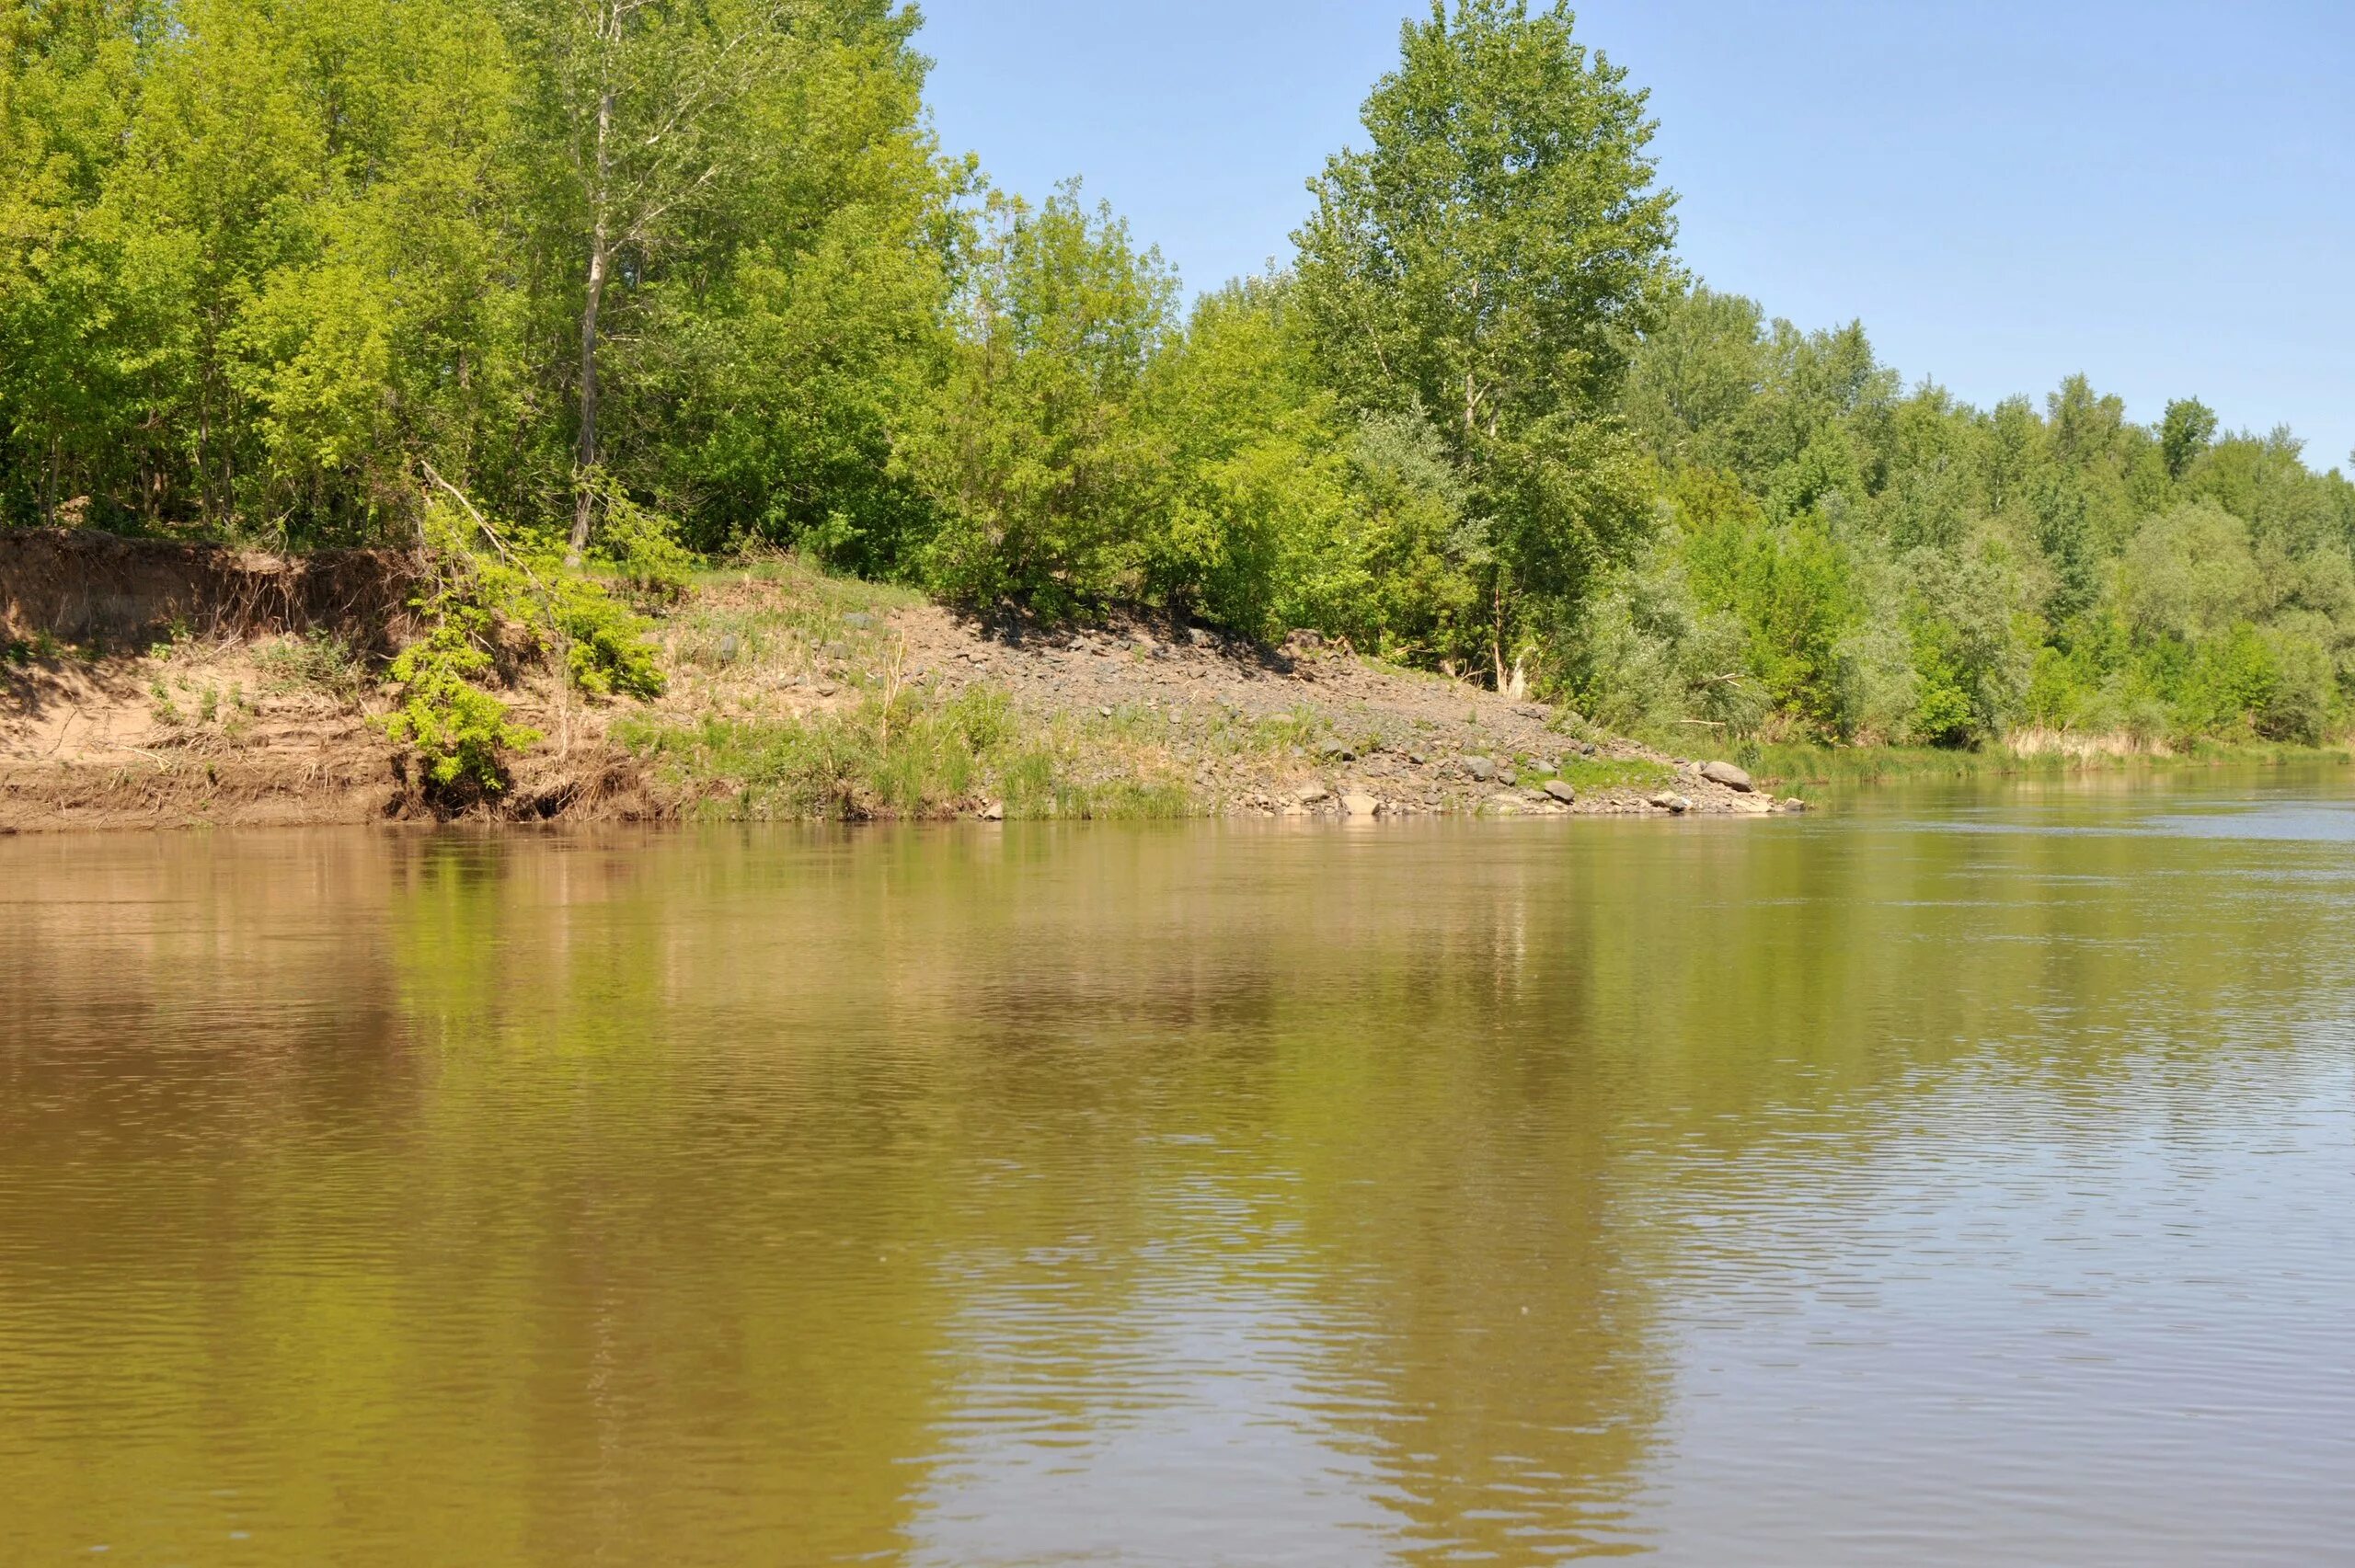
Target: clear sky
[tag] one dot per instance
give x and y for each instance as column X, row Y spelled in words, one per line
column 2161, row 195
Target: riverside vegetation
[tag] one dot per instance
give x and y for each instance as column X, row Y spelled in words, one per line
column 566, row 301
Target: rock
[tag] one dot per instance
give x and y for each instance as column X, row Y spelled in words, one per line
column 1507, row 776
column 1340, row 748
column 1105, row 712
column 1310, row 795
column 993, row 812
column 1584, row 747
column 1793, row 804
column 1480, row 768
column 1416, row 758
column 1503, row 805
column 728, row 649
column 1729, row 775
column 859, row 618
column 1561, row 791
column 1357, row 804
column 1668, row 800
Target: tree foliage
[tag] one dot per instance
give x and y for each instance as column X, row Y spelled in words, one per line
column 644, row 278
column 1488, row 262
column 1907, row 568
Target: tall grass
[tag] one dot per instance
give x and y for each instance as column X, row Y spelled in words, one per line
column 907, row 755
column 1788, row 766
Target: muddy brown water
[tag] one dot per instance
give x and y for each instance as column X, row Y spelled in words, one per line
column 1956, row 1177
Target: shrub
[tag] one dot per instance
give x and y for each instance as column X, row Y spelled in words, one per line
column 489, row 593
column 463, row 731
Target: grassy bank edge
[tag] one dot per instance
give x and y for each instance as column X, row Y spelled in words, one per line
column 1795, row 769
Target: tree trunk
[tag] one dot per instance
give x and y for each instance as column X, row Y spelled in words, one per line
column 584, row 501
column 1497, row 633
column 585, row 459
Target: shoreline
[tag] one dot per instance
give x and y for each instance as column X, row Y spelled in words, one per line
column 795, row 696
column 792, row 696
column 1812, row 767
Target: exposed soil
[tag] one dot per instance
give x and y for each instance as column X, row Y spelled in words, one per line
column 1405, row 741
column 102, row 591
column 224, row 734
column 243, row 723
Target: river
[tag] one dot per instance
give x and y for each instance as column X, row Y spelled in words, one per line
column 1960, row 1175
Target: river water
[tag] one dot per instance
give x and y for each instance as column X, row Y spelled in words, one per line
column 1956, row 1176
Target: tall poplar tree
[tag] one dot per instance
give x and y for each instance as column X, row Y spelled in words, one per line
column 1489, row 260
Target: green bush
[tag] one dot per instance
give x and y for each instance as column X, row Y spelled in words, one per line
column 463, row 731
column 493, row 595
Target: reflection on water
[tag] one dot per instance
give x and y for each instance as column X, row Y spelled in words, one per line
column 1845, row 1189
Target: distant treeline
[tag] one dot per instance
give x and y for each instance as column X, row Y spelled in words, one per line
column 699, row 265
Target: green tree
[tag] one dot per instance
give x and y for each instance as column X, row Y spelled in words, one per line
column 1034, row 448
column 1488, row 261
column 643, row 119
column 1256, row 481
column 2184, row 433
column 1696, row 376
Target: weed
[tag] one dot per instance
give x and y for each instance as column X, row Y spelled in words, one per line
column 1791, row 766
column 1584, row 773
column 316, row 661
column 901, row 754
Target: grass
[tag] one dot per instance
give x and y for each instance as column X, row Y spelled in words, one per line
column 888, row 748
column 39, row 647
column 1584, row 773
column 1794, row 766
column 914, row 756
column 823, row 630
column 316, row 661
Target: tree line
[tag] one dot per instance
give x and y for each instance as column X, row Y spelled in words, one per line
column 632, row 274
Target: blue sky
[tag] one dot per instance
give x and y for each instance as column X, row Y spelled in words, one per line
column 2161, row 195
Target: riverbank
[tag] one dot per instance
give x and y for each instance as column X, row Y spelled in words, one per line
column 790, row 695
column 2031, row 755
